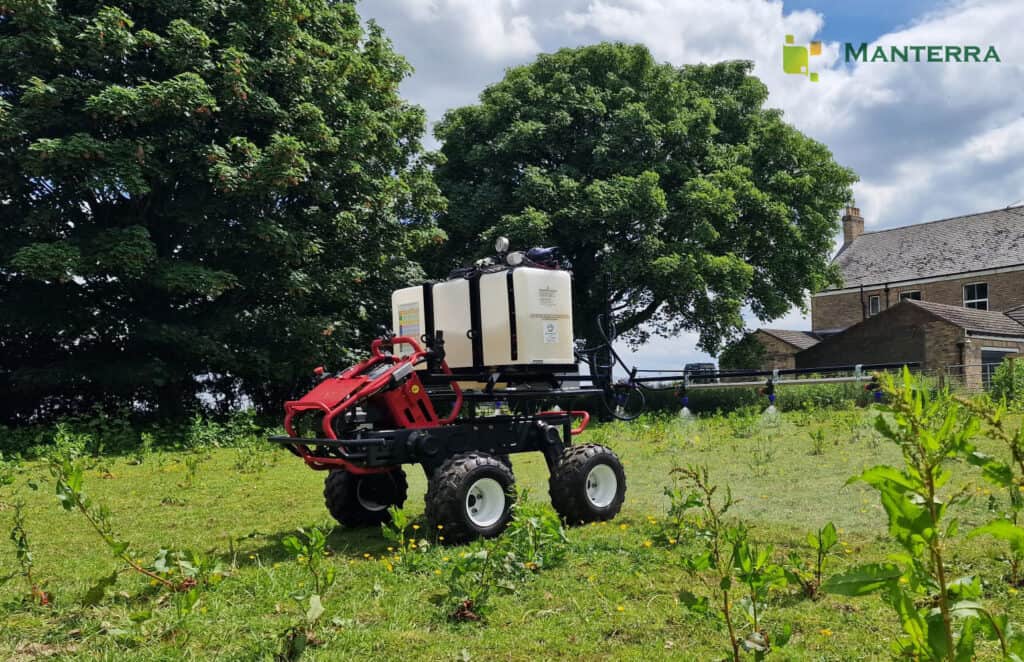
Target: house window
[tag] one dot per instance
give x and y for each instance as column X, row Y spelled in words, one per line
column 912, row 295
column 976, row 296
column 874, row 305
column 991, row 357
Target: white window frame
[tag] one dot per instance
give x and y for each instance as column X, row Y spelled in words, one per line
column 904, row 293
column 983, row 300
column 874, row 305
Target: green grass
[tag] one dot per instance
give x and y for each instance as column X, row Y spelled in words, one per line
column 613, row 598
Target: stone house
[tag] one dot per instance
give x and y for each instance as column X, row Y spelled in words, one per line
column 781, row 346
column 942, row 293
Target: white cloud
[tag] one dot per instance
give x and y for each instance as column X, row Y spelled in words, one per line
column 490, row 28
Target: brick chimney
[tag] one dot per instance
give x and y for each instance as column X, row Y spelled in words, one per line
column 853, row 225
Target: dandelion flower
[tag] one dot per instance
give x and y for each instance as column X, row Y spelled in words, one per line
column 648, row 543
column 620, row 608
column 825, row 632
column 252, row 556
column 437, row 571
column 671, row 541
column 440, row 537
column 440, row 527
column 391, row 549
column 623, row 526
column 415, row 527
column 366, row 555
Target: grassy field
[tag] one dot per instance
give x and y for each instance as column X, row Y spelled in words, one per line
column 614, row 597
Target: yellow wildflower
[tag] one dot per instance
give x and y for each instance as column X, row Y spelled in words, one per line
column 623, row 526
column 620, row 608
column 648, row 543
column 825, row 632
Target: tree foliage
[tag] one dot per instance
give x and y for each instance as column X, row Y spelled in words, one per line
column 676, row 186
column 188, row 188
column 746, row 353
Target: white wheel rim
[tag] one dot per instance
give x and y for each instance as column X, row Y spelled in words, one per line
column 485, row 502
column 602, row 484
column 367, row 502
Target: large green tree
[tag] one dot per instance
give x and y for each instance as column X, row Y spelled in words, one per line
column 197, row 195
column 675, row 187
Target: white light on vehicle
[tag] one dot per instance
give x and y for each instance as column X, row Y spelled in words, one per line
column 515, row 259
column 501, row 244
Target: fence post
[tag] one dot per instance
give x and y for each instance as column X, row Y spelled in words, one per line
column 1013, row 376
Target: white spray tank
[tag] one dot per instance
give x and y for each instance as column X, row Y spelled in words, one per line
column 506, row 312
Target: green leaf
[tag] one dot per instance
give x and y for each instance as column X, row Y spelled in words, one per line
column 1003, row 530
column 883, row 475
column 993, row 470
column 96, row 592
column 863, row 580
column 694, row 603
column 829, row 537
column 140, row 616
column 965, row 644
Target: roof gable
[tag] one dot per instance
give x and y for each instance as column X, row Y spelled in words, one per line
column 987, row 240
column 798, row 339
column 986, row 322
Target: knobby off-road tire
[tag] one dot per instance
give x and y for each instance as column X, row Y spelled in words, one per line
column 471, row 496
column 363, row 499
column 588, row 485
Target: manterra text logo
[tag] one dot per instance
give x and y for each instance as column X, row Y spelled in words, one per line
column 797, row 59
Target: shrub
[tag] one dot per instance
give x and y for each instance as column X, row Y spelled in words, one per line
column 1008, row 381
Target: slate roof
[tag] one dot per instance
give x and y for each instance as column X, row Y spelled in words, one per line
column 798, row 339
column 987, row 322
column 986, row 240
column 1016, row 314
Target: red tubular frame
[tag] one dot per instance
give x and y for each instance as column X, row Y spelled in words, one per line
column 366, row 390
column 576, row 413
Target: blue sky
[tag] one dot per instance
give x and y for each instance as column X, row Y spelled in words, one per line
column 864, row 20
column 928, row 140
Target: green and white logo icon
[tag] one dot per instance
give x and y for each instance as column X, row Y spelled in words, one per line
column 796, row 59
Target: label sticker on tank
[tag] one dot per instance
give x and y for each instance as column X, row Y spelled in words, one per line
column 546, row 296
column 550, row 333
column 409, row 320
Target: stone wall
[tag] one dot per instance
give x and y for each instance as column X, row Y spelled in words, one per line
column 778, row 355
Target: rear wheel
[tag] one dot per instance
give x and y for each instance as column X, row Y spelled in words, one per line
column 471, row 496
column 363, row 499
column 588, row 485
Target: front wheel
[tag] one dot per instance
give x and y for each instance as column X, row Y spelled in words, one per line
column 471, row 496
column 363, row 499
column 588, row 485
